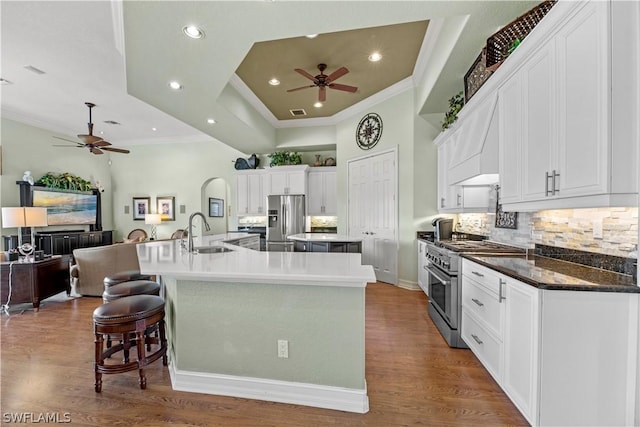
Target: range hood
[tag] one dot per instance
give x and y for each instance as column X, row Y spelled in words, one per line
column 474, row 156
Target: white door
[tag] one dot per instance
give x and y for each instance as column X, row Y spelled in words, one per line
column 373, row 212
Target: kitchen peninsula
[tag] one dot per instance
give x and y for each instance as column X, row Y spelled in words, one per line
column 277, row 326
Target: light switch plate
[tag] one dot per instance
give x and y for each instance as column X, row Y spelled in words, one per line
column 597, row 229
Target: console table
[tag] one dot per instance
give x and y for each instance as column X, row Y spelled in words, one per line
column 64, row 242
column 34, row 281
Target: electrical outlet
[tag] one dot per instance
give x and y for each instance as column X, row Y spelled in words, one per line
column 283, row 349
column 597, row 229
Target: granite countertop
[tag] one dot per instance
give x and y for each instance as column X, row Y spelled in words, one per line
column 553, row 274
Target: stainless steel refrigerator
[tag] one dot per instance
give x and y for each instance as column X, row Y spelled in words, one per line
column 286, row 216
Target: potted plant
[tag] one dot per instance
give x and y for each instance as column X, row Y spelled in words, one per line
column 64, row 181
column 280, row 158
column 455, row 105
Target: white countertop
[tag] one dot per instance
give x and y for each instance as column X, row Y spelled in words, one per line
column 249, row 266
column 324, row 237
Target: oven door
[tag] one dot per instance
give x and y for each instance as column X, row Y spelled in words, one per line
column 443, row 294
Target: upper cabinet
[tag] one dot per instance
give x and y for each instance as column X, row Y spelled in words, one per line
column 564, row 110
column 251, row 192
column 321, row 197
column 557, row 113
column 288, row 180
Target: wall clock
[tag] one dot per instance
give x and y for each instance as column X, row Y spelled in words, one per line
column 369, row 131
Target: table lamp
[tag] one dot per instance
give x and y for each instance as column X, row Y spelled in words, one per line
column 153, row 220
column 24, row 217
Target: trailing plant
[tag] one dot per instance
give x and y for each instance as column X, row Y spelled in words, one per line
column 513, row 46
column 285, row 158
column 455, row 105
column 64, row 181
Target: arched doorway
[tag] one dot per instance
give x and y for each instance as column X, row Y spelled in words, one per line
column 215, row 202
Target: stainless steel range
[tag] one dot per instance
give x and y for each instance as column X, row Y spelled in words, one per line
column 444, row 288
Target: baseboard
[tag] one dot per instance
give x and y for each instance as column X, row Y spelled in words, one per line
column 405, row 284
column 319, row 396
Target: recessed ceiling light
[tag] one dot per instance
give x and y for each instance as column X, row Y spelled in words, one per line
column 311, row 36
column 318, row 104
column 375, row 57
column 193, row 32
column 154, row 129
column 175, row 85
column 274, row 82
column 211, row 121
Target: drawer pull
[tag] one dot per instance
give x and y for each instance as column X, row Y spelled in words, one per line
column 477, row 274
column 476, row 339
column 477, row 302
column 500, row 294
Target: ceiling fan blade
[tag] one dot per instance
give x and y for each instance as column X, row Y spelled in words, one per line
column 322, row 94
column 302, row 87
column 345, row 88
column 90, row 139
column 304, row 73
column 102, row 143
column 95, row 150
column 116, row 150
column 337, row 74
column 68, row 140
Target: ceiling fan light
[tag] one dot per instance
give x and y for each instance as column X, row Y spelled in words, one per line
column 193, row 32
column 175, row 85
column 274, row 82
column 375, row 57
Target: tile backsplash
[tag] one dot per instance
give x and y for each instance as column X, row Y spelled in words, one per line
column 616, row 229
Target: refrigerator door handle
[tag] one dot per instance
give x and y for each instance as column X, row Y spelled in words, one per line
column 283, row 226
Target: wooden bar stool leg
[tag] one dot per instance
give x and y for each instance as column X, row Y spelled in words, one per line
column 140, row 341
column 163, row 341
column 99, row 361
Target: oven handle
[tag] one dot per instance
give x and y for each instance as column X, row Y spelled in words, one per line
column 444, row 279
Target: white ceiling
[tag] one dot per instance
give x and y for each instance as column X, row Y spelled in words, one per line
column 81, row 45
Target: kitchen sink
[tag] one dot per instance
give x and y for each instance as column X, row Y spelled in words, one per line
column 211, row 249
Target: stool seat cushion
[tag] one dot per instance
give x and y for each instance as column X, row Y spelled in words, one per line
column 128, row 309
column 125, row 276
column 134, row 287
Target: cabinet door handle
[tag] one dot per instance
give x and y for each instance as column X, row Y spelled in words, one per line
column 442, row 202
column 546, row 183
column 477, row 302
column 476, row 339
column 459, row 196
column 477, row 274
column 555, row 175
column 500, row 294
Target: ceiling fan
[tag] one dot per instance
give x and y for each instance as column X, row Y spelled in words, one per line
column 95, row 144
column 323, row 81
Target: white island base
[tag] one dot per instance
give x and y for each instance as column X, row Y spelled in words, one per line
column 229, row 313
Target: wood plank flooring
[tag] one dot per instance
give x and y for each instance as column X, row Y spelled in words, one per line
column 413, row 377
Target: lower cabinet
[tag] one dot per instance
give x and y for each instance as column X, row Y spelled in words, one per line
column 345, row 247
column 562, row 357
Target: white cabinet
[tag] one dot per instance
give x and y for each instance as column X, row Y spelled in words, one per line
column 423, row 275
column 288, row 180
column 562, row 357
column 321, row 193
column 251, row 186
column 558, row 109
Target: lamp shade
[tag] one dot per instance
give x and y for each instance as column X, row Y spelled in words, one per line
column 24, row 217
column 153, row 219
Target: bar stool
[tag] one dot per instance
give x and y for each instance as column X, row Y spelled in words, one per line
column 124, row 276
column 133, row 287
column 130, row 317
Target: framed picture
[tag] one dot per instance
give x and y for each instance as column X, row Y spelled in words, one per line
column 141, row 207
column 216, row 207
column 166, row 207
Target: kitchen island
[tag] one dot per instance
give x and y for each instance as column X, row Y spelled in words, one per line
column 277, row 326
column 326, row 242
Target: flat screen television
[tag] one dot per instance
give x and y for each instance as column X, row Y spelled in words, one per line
column 66, row 207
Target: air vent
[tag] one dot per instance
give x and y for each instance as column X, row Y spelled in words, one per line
column 111, row 122
column 298, row 112
column 34, row 69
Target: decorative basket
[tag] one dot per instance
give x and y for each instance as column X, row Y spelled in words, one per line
column 476, row 76
column 498, row 44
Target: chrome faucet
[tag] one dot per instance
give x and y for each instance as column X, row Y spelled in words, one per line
column 190, row 236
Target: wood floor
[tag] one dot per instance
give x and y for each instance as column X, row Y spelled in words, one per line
column 413, row 377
